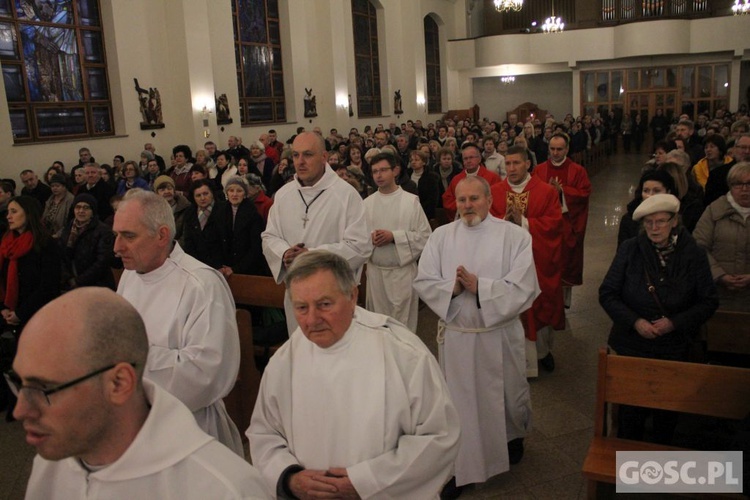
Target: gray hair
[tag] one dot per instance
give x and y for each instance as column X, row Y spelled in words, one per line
column 156, row 210
column 737, row 171
column 471, row 179
column 309, row 263
column 147, row 154
column 681, row 158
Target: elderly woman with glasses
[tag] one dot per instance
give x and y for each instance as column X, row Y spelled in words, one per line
column 724, row 232
column 658, row 292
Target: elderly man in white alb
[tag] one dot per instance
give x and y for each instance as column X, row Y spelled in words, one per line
column 477, row 274
column 188, row 310
column 317, row 211
column 99, row 429
column 353, row 405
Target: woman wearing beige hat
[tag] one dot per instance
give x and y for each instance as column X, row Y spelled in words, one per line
column 658, row 292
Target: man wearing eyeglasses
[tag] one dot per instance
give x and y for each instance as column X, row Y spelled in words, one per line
column 99, row 429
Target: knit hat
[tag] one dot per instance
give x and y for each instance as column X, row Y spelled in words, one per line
column 238, row 181
column 58, row 179
column 87, row 199
column 163, row 179
column 657, row 203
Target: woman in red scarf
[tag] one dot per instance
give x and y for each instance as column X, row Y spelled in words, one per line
column 29, row 263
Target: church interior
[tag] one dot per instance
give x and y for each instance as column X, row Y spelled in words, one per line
column 171, row 72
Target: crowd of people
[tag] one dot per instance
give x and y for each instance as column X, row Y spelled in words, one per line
column 683, row 246
column 483, row 221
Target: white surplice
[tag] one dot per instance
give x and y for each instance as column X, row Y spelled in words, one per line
column 194, row 348
column 392, row 268
column 335, row 222
column 169, row 458
column 374, row 403
column 486, row 372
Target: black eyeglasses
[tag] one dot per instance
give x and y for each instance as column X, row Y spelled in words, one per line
column 36, row 395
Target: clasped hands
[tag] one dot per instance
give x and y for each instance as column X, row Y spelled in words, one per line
column 10, row 317
column 381, row 237
column 735, row 281
column 465, row 281
column 514, row 216
column 333, row 483
column 292, row 253
column 650, row 330
column 556, row 183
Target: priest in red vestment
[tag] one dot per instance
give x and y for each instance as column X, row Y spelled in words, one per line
column 472, row 160
column 572, row 183
column 527, row 201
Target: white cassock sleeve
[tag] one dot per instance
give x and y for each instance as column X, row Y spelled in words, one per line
column 411, row 242
column 203, row 368
column 422, row 461
column 274, row 244
column 433, row 288
column 502, row 299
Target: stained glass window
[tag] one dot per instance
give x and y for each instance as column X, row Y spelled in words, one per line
column 260, row 76
column 54, row 69
column 366, row 64
column 432, row 60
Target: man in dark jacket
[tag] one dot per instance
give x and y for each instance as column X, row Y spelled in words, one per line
column 34, row 188
column 99, row 189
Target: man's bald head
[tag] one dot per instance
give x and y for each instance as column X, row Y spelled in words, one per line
column 99, row 327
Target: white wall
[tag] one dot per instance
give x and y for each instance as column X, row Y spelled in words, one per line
column 551, row 91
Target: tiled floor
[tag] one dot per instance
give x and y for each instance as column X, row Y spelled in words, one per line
column 563, row 401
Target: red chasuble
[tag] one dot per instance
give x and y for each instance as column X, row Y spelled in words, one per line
column 577, row 189
column 540, row 204
column 449, row 197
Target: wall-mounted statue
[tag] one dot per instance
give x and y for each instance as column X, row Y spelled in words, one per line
column 150, row 104
column 311, row 108
column 222, row 110
column 397, row 103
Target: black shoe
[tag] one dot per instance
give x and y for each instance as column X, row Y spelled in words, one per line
column 450, row 490
column 548, row 362
column 515, row 450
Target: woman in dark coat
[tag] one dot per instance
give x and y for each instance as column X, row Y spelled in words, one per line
column 29, row 274
column 242, row 227
column 658, row 292
column 29, row 263
column 204, row 243
column 652, row 182
column 87, row 247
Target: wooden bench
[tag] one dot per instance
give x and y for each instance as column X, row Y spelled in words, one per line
column 728, row 332
column 716, row 391
column 252, row 291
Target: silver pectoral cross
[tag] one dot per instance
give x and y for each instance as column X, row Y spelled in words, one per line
column 304, row 221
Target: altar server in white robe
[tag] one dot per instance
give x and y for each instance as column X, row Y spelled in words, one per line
column 354, row 405
column 318, row 210
column 188, row 310
column 399, row 232
column 99, row 429
column 477, row 274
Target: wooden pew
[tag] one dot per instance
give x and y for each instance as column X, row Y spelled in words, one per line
column 711, row 390
column 252, row 291
column 728, row 332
